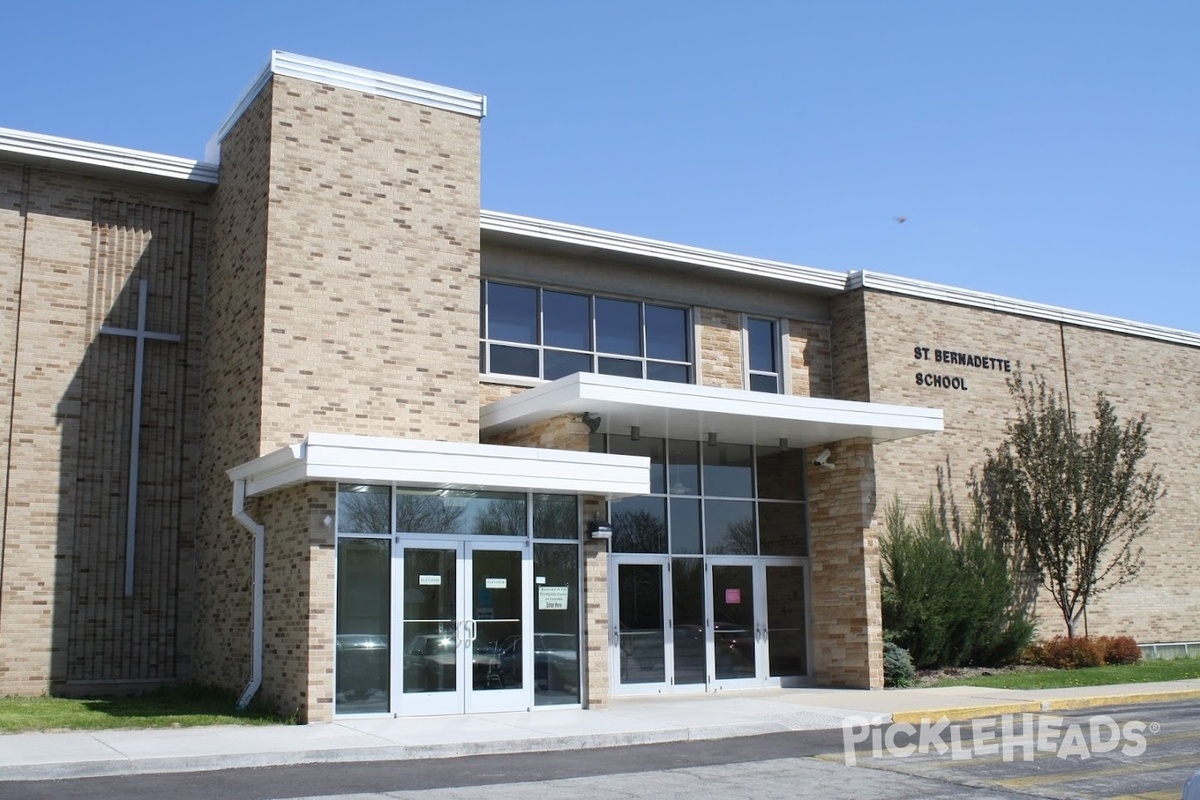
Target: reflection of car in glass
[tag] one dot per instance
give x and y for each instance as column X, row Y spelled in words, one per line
column 430, row 661
column 362, row 663
column 555, row 661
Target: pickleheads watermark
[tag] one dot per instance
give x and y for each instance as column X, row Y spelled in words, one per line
column 1013, row 737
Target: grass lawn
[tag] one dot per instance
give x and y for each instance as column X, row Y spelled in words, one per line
column 1144, row 672
column 177, row 707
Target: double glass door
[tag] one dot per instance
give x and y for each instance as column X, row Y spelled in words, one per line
column 462, row 608
column 700, row 624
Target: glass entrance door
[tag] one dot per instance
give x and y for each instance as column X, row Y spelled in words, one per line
column 463, row 607
column 692, row 624
column 640, row 626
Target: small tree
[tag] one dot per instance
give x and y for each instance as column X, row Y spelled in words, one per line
column 1074, row 504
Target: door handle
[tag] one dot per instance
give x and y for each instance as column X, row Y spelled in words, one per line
column 471, row 629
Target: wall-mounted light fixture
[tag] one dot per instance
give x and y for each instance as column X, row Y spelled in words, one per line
column 712, row 438
column 591, row 420
column 635, row 433
column 600, row 529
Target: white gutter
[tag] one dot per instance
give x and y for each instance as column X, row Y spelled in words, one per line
column 256, row 528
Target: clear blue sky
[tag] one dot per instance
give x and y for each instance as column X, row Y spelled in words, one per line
column 1044, row 150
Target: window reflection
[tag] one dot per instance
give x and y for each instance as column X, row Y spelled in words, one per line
column 640, row 525
column 443, row 511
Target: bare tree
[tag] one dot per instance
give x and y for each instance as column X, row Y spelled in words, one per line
column 1076, row 504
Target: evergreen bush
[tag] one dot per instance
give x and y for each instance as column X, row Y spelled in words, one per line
column 898, row 669
column 949, row 598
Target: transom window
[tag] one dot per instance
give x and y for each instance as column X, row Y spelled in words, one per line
column 711, row 499
column 545, row 333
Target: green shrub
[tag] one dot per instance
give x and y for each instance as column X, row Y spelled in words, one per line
column 949, row 600
column 898, row 669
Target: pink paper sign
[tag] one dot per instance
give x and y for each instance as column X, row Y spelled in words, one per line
column 733, row 596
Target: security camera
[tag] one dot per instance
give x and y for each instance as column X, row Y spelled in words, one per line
column 822, row 457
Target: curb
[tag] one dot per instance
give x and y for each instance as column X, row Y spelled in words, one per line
column 967, row 713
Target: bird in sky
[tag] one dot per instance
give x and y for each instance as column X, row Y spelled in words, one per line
column 900, row 220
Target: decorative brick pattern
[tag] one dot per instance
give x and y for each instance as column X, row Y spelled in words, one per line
column 65, row 624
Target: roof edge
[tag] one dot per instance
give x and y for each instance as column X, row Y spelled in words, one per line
column 926, row 290
column 41, row 149
column 332, row 73
column 546, row 230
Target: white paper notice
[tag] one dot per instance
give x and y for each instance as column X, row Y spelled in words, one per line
column 553, row 598
column 495, row 583
column 430, row 580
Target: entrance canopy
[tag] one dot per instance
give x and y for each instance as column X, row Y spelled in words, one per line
column 443, row 465
column 684, row 411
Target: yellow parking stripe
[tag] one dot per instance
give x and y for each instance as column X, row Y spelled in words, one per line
column 1029, row 781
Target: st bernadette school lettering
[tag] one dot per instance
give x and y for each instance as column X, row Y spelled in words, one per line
column 955, row 358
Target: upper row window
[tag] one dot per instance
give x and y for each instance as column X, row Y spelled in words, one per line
column 541, row 333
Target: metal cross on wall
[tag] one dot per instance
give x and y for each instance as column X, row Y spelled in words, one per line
column 139, row 335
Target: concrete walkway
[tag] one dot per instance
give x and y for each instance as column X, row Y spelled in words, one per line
column 44, row 756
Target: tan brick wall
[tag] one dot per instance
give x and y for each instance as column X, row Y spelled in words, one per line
column 298, row 601
column 1138, row 374
column 847, row 626
column 597, row 689
column 233, row 391
column 347, row 252
column 64, row 620
column 372, row 293
column 12, row 240
column 719, row 349
column 810, row 358
column 491, row 392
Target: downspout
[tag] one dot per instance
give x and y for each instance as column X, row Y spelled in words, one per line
column 256, row 528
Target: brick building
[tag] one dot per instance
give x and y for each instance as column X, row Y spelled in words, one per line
column 305, row 420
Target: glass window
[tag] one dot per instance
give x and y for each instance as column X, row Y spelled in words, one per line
column 729, row 527
column 364, row 603
column 762, row 348
column 544, row 333
column 684, row 469
column 512, row 313
column 559, row 363
column 639, row 525
column 728, row 470
column 666, row 333
column 685, row 526
column 440, row 511
column 555, row 516
column 555, row 624
column 780, row 473
column 643, row 446
column 364, row 509
column 566, row 320
column 514, row 360
column 618, row 327
column 782, row 529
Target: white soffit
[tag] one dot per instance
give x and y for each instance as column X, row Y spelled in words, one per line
column 52, row 151
column 443, row 465
column 684, row 411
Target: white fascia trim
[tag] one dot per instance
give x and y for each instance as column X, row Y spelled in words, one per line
column 545, row 230
column 1008, row 305
column 443, row 465
column 331, row 73
column 40, row 148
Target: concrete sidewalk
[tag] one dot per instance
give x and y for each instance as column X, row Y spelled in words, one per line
column 45, row 756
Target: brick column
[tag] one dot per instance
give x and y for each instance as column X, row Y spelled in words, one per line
column 847, row 619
